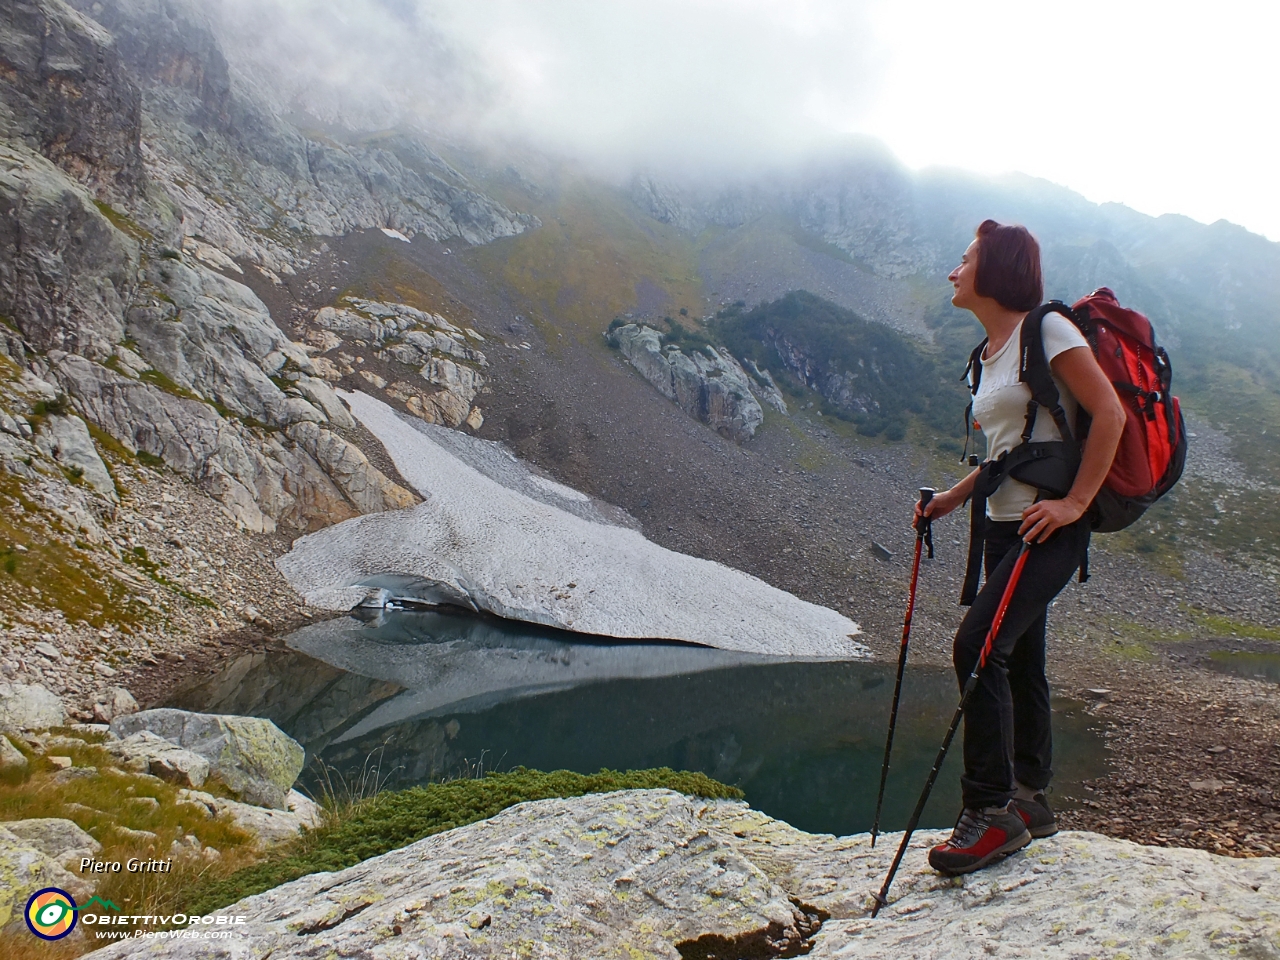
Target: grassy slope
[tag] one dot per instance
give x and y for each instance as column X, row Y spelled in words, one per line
column 594, row 257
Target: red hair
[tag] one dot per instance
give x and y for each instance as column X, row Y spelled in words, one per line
column 1008, row 266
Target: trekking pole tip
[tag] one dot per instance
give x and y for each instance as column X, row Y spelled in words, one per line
column 882, row 900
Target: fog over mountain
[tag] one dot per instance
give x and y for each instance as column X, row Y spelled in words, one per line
column 733, row 87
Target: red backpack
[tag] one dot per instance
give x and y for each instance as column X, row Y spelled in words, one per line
column 1153, row 446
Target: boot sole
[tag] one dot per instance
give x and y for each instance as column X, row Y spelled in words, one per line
column 1039, row 833
column 1011, row 846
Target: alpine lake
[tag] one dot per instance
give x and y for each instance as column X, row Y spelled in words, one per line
column 399, row 697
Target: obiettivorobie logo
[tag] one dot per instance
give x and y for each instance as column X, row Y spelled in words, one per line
column 52, row 913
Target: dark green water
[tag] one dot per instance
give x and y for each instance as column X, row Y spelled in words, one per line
column 421, row 696
column 1246, row 663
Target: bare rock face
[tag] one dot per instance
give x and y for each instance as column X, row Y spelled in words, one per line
column 67, row 440
column 656, row 874
column 309, row 478
column 148, row 752
column 254, row 180
column 447, row 360
column 66, row 95
column 214, row 337
column 66, row 273
column 709, row 384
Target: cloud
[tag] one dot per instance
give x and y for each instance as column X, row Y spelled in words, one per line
column 705, row 84
column 1163, row 106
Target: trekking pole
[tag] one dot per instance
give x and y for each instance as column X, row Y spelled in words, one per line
column 924, row 533
column 969, row 685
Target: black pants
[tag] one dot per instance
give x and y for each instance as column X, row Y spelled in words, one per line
column 1007, row 730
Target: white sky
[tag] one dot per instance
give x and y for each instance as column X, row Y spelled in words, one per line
column 1169, row 107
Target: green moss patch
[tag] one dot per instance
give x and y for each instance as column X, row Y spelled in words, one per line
column 124, row 224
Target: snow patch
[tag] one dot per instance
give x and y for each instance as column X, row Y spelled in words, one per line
column 523, row 559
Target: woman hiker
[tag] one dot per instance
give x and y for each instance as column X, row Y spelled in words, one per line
column 1007, row 740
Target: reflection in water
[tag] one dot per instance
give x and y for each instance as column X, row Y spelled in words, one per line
column 431, row 694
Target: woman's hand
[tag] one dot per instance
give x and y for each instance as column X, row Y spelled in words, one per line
column 943, row 503
column 1043, row 517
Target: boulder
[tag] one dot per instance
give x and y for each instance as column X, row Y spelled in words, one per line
column 60, row 840
column 24, row 869
column 708, row 384
column 268, row 826
column 484, row 544
column 67, row 441
column 115, row 702
column 11, row 758
column 29, row 707
column 658, row 874
column 252, row 756
column 148, row 752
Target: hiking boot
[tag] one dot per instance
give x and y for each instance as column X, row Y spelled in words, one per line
column 1037, row 816
column 980, row 837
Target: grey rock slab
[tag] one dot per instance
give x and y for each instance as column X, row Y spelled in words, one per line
column 115, row 702
column 524, row 559
column 252, row 756
column 29, row 707
column 67, row 440
column 59, row 840
column 308, row 477
column 637, row 873
column 148, row 752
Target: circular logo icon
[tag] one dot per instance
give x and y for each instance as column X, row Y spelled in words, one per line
column 51, row 913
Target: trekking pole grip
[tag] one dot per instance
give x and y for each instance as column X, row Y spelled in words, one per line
column 924, row 524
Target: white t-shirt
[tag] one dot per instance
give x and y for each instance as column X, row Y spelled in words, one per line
column 1000, row 406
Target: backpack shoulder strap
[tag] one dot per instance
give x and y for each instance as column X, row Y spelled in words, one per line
column 972, row 377
column 973, row 369
column 1033, row 370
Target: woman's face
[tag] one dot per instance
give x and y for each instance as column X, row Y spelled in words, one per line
column 962, row 278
